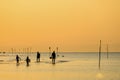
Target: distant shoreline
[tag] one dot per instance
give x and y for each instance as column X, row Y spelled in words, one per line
column 56, row 52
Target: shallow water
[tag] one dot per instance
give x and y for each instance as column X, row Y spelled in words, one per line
column 73, row 66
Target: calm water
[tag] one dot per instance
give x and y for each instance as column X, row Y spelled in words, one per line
column 69, row 65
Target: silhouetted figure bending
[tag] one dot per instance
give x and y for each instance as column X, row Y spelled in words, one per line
column 17, row 59
column 38, row 57
column 27, row 61
column 53, row 57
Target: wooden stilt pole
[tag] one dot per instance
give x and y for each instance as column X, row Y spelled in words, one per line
column 99, row 55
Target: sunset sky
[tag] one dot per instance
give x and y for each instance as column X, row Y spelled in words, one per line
column 72, row 25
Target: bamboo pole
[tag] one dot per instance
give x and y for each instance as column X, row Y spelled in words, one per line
column 99, row 55
column 107, row 52
column 57, row 51
column 49, row 51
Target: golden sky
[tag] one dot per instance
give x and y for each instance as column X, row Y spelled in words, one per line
column 72, row 25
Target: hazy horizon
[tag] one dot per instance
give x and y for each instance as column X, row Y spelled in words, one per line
column 71, row 25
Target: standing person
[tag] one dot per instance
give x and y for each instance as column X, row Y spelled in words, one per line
column 38, row 57
column 27, row 61
column 53, row 57
column 17, row 59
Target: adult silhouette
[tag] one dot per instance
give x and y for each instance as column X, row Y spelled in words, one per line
column 27, row 60
column 17, row 59
column 38, row 57
column 53, row 57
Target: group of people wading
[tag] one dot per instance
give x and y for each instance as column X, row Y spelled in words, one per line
column 53, row 57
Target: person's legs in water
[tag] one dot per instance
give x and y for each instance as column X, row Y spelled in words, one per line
column 53, row 61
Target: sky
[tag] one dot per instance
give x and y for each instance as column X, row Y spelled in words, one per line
column 71, row 25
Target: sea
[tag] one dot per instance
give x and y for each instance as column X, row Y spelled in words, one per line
column 68, row 66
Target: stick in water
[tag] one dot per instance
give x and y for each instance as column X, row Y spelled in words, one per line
column 107, row 52
column 99, row 54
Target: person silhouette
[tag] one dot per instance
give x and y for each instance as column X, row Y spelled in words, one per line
column 27, row 61
column 53, row 57
column 38, row 57
column 17, row 59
